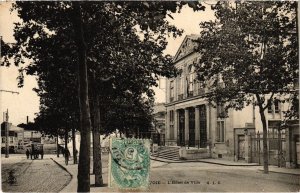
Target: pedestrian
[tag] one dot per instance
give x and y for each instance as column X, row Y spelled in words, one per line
column 67, row 155
column 27, row 153
column 63, row 151
column 42, row 154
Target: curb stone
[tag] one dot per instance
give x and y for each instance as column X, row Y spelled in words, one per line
column 202, row 161
column 281, row 172
column 62, row 167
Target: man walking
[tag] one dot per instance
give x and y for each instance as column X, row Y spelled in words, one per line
column 27, row 153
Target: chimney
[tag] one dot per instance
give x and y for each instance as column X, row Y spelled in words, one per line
column 27, row 120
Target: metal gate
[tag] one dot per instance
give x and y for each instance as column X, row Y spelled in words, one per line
column 276, row 147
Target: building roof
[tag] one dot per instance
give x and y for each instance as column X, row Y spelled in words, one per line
column 159, row 107
column 15, row 128
column 186, row 47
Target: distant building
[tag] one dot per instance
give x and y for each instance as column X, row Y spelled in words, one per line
column 158, row 129
column 13, row 137
column 20, row 139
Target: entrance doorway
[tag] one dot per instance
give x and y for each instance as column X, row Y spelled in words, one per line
column 241, row 147
column 181, row 136
column 192, row 127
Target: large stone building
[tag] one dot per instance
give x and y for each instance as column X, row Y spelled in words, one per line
column 192, row 122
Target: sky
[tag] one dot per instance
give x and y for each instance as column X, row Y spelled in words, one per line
column 26, row 103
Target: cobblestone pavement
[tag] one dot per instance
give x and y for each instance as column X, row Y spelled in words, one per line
column 33, row 175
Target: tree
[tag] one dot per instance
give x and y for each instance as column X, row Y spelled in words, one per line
column 250, row 56
column 87, row 34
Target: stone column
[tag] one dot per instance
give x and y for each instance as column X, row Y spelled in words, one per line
column 208, row 121
column 186, row 124
column 184, row 83
column 176, row 125
column 167, row 131
column 175, row 89
column 287, row 148
column 197, row 126
column 167, row 90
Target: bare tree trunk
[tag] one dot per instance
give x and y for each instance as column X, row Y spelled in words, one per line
column 93, row 137
column 66, row 139
column 57, row 146
column 83, row 177
column 265, row 131
column 97, row 145
column 74, row 146
column 265, row 144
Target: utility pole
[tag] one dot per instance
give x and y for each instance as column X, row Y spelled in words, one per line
column 6, row 125
column 0, row 50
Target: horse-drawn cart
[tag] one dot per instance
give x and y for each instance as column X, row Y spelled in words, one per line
column 36, row 150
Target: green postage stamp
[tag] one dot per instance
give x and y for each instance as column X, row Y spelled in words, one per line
column 129, row 163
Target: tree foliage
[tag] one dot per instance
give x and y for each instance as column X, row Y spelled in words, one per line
column 249, row 55
column 124, row 45
column 121, row 43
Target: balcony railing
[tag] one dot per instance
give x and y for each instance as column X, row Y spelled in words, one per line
column 171, row 99
column 221, row 85
column 201, row 91
column 180, row 97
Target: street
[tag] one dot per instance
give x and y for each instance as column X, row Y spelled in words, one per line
column 205, row 177
column 202, row 177
column 32, row 175
column 46, row 176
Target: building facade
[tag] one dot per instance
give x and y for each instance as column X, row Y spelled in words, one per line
column 191, row 122
column 14, row 137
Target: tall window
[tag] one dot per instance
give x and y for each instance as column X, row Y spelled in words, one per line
column 200, row 87
column 171, row 124
column 276, row 105
column 11, row 140
column 171, row 116
column 221, row 111
column 270, row 108
column 220, row 134
column 190, row 80
column 171, row 90
column 180, row 87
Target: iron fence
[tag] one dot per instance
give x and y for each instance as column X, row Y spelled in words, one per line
column 276, row 147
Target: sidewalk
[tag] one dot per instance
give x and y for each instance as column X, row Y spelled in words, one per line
column 211, row 161
column 73, row 168
column 274, row 169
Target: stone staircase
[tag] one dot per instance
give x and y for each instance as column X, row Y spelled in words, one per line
column 167, row 152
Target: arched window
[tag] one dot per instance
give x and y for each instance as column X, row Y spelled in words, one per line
column 171, row 90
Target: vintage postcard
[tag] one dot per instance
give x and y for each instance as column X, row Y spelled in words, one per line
column 149, row 96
